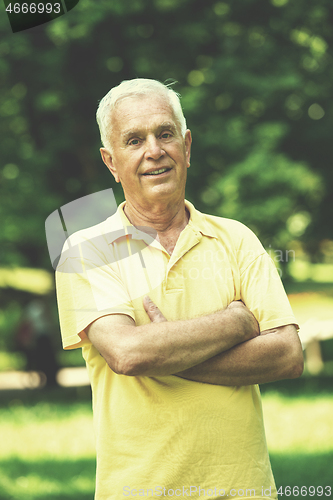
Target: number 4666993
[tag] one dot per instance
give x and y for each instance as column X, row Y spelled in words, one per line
column 305, row 491
column 33, row 8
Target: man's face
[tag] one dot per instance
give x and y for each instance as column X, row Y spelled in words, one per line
column 149, row 155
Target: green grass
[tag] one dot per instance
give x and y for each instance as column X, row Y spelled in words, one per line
column 300, row 439
column 47, row 479
column 47, row 445
column 46, row 430
column 299, row 425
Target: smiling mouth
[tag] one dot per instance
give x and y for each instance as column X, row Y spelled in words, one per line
column 158, row 171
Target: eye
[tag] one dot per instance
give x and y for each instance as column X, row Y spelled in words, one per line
column 166, row 135
column 133, row 142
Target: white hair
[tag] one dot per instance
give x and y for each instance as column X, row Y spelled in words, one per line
column 130, row 88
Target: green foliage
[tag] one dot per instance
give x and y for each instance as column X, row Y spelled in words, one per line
column 267, row 190
column 255, row 77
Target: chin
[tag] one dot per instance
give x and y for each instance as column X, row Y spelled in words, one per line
column 163, row 192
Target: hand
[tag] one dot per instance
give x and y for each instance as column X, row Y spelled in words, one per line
column 244, row 317
column 153, row 311
column 246, row 321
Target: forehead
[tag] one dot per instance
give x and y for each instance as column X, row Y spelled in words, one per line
column 142, row 111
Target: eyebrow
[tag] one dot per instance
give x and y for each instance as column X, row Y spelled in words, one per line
column 136, row 131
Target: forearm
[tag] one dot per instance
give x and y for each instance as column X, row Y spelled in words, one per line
column 167, row 347
column 267, row 358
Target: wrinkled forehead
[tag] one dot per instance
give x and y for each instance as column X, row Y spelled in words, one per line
column 133, row 110
column 151, row 95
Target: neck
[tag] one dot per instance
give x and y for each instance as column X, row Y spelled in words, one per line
column 168, row 220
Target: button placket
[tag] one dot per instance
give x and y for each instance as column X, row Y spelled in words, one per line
column 174, row 275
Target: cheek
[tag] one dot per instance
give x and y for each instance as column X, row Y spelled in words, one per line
column 177, row 153
column 182, row 157
column 125, row 167
column 127, row 175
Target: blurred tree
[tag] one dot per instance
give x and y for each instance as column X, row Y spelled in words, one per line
column 255, row 78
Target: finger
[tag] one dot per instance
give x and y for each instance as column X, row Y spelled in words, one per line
column 153, row 311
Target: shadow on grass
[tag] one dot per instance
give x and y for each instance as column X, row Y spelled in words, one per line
column 303, row 470
column 47, row 479
column 30, row 397
column 308, row 286
column 306, row 386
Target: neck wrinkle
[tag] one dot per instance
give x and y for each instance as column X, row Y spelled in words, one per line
column 173, row 223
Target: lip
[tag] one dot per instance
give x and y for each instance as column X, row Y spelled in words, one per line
column 148, row 172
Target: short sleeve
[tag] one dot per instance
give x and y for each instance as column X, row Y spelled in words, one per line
column 87, row 291
column 263, row 293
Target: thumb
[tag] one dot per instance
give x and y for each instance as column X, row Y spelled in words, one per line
column 153, row 311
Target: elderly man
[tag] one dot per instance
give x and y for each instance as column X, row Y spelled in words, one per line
column 165, row 302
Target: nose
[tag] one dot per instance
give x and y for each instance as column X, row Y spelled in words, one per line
column 153, row 148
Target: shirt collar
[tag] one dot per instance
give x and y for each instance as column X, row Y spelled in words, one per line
column 197, row 222
column 134, row 231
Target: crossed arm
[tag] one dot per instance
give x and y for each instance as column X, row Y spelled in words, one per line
column 223, row 348
column 274, row 355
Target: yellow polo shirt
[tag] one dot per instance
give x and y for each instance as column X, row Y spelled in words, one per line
column 167, row 436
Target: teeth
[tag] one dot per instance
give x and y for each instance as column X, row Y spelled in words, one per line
column 156, row 172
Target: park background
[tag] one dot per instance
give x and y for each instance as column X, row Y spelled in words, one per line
column 256, row 80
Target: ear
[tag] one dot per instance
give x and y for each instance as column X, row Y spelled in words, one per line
column 188, row 142
column 107, row 158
